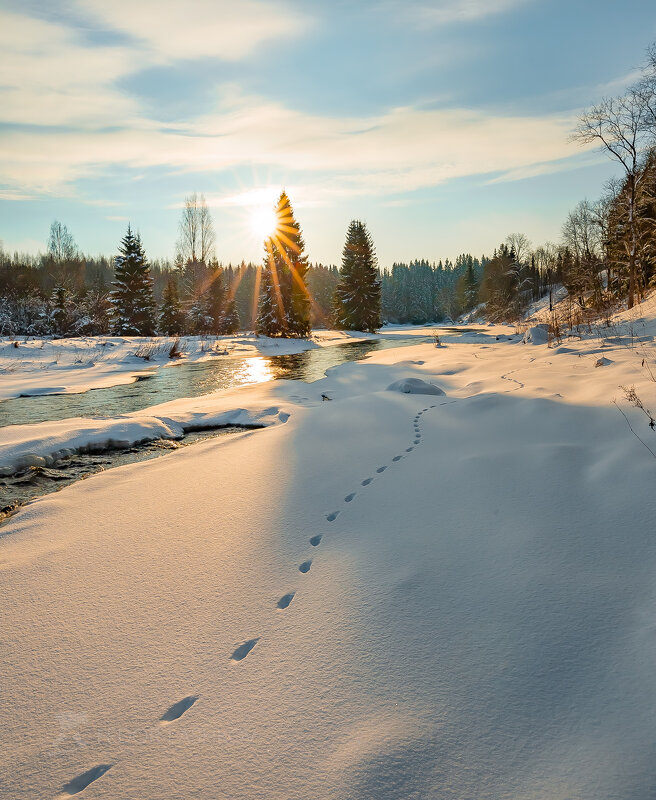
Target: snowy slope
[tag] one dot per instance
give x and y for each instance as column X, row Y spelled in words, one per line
column 476, row 620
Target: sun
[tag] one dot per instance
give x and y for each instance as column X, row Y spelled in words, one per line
column 264, row 222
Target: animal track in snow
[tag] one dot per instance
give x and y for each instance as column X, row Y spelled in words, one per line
column 381, row 469
column 397, row 458
column 349, row 497
column 179, row 708
column 367, row 481
column 80, row 783
column 314, row 541
column 305, row 567
column 285, row 600
column 244, row 649
column 416, row 441
column 409, row 449
column 332, row 517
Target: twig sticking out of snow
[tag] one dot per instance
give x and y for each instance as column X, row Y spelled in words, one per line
column 631, row 429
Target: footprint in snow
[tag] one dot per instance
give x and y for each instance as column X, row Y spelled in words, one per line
column 367, row 481
column 381, row 469
column 397, row 458
column 332, row 517
column 179, row 708
column 409, row 449
column 314, row 541
column 285, row 600
column 80, row 783
column 305, row 567
column 349, row 497
column 244, row 649
column 416, row 441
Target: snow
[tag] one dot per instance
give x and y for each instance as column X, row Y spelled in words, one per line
column 414, row 386
column 389, row 596
column 537, row 334
column 42, row 443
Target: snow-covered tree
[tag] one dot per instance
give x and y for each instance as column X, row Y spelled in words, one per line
column 60, row 310
column 133, row 304
column 357, row 298
column 229, row 323
column 199, row 320
column 270, row 311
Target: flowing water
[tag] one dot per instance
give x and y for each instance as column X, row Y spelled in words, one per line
column 183, row 380
column 191, row 380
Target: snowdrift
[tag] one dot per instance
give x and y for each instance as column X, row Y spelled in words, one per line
column 414, row 386
column 537, row 334
column 43, row 443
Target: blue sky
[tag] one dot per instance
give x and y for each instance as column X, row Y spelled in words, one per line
column 444, row 125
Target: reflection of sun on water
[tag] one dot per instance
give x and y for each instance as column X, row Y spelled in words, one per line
column 257, row 370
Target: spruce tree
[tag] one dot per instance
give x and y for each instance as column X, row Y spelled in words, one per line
column 270, row 313
column 284, row 297
column 199, row 319
column 133, row 305
column 357, row 297
column 229, row 323
column 60, row 303
column 171, row 320
column 215, row 297
column 471, row 286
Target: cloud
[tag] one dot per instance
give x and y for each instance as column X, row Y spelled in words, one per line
column 81, row 126
column 49, row 76
column 221, row 29
column 446, row 12
column 398, row 151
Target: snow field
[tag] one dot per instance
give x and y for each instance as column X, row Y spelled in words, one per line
column 391, row 595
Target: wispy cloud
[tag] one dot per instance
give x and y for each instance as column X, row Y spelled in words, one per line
column 220, row 29
column 50, row 77
column 445, row 12
column 401, row 150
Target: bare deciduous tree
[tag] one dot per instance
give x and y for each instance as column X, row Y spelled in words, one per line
column 621, row 126
column 520, row 244
column 582, row 235
column 197, row 236
column 61, row 245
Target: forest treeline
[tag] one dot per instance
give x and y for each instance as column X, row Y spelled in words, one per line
column 605, row 257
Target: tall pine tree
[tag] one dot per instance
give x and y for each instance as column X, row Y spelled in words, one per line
column 284, row 297
column 357, row 297
column 133, row 304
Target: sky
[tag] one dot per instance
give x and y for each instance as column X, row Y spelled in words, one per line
column 443, row 125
